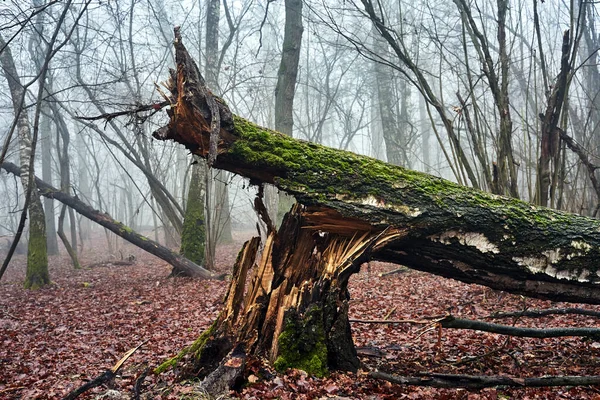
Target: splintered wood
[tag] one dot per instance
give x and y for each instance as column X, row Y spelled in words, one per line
column 300, row 265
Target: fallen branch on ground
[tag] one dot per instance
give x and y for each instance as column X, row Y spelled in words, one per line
column 480, row 382
column 107, row 263
column 458, row 323
column 102, row 378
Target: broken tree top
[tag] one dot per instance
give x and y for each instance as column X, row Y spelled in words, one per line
column 451, row 230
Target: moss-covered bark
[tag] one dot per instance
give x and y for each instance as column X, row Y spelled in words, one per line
column 302, row 343
column 453, row 231
column 37, row 257
column 193, row 237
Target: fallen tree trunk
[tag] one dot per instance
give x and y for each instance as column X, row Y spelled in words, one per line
column 181, row 265
column 452, row 231
column 351, row 209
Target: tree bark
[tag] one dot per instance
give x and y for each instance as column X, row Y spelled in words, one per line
column 480, row 382
column 35, row 44
column 37, row 274
column 351, row 209
column 288, row 68
column 550, row 137
column 193, row 236
column 278, row 203
column 181, row 265
column 453, row 231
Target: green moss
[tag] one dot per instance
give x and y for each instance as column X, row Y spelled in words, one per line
column 126, row 229
column 37, row 256
column 193, row 236
column 394, row 196
column 302, row 343
column 195, row 349
column 316, row 174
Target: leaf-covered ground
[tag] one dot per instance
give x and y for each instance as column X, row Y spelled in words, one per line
column 55, row 339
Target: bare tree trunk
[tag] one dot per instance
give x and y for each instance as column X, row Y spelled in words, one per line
column 65, row 186
column 37, row 257
column 85, row 192
column 505, row 173
column 61, row 233
column 220, row 231
column 46, row 131
column 285, row 92
column 377, row 143
column 288, row 68
column 550, row 143
column 46, row 142
column 386, row 105
column 193, row 237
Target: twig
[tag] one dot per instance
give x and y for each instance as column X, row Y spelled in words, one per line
column 389, row 314
column 471, row 359
column 12, row 389
column 10, row 315
column 480, row 381
column 395, row 271
column 154, row 107
column 397, row 321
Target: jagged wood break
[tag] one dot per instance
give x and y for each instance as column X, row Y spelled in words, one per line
column 353, row 208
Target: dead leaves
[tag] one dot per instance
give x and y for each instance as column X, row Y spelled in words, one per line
column 55, row 339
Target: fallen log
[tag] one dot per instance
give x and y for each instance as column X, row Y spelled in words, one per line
column 451, row 230
column 181, row 265
column 352, row 209
column 544, row 313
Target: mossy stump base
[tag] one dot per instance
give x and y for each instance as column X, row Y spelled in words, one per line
column 295, row 311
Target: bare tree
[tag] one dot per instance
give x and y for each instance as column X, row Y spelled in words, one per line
column 37, row 257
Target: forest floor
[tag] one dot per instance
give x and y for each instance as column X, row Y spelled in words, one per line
column 55, row 339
